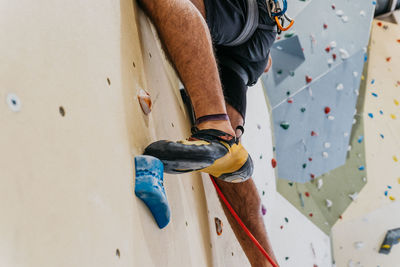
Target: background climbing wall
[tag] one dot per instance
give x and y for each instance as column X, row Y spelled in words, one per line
column 313, row 86
column 70, row 125
column 358, row 236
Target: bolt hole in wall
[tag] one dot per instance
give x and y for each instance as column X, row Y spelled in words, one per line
column 108, row 81
column 62, row 111
column 13, row 102
column 118, row 253
column 133, row 64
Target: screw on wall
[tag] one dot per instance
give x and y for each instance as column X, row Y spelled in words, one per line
column 13, row 102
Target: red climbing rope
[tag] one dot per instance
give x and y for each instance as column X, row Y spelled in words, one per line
column 247, row 231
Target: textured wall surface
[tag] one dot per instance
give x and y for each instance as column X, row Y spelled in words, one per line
column 376, row 209
column 313, row 92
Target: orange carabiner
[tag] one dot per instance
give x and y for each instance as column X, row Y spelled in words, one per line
column 280, row 26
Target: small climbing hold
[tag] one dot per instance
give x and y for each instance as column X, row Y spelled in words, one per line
column 313, row 133
column 312, row 176
column 349, row 148
column 328, row 203
column 340, row 13
column 392, row 198
column 396, row 102
column 386, row 193
column 325, row 26
column 371, row 115
column 310, row 214
column 263, row 209
column 288, row 93
column 327, row 110
column 279, row 71
column 308, row 79
column 13, row 102
column 364, row 179
column 345, row 19
column 144, row 101
column 310, row 159
column 339, row 87
column 330, row 62
column 325, row 154
column 360, row 139
column 303, row 109
column 390, row 187
column 291, row 73
column 320, row 183
column 290, row 100
column 353, row 196
column 281, row 227
column 307, row 194
column 395, row 159
column 285, row 125
column 362, row 13
column 382, row 136
column 374, row 94
column 372, row 81
column 273, row 163
column 328, row 49
column 218, row 226
column 286, row 220
column 379, row 24
column 289, row 34
column 388, row 59
column 393, row 116
column 333, row 7
column 327, row 145
column 344, row 54
column 304, row 166
column 334, row 56
column 331, row 118
column 361, row 168
column 291, row 184
column 381, row 112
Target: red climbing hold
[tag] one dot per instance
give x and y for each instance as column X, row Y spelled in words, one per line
column 333, row 6
column 334, row 56
column 281, row 226
column 388, row 59
column 328, row 49
column 398, row 40
column 340, row 217
column 309, row 159
column 325, row 26
column 327, row 110
column 379, row 23
column 273, row 163
column 312, row 176
column 307, row 194
column 290, row 100
column 313, row 133
column 308, row 79
column 310, row 214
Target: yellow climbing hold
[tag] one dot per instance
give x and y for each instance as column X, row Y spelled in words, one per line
column 398, row 180
column 395, row 159
column 393, row 116
column 392, row 198
column 386, row 246
column 362, row 77
column 396, row 102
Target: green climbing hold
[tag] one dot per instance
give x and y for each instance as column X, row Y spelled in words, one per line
column 288, row 93
column 303, row 110
column 289, row 34
column 286, row 220
column 279, row 71
column 304, row 166
column 291, row 184
column 291, row 73
column 285, row 125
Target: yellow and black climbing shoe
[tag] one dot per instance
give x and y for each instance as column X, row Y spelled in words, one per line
column 211, row 151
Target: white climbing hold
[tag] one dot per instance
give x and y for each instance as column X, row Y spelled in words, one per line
column 359, row 155
column 343, row 53
column 362, row 13
column 359, row 245
column 364, row 179
column 327, row 145
column 346, row 134
column 345, row 19
column 331, row 118
column 353, row 196
column 349, row 148
column 330, row 61
column 144, row 101
column 355, row 74
column 320, row 183
column 354, row 121
column 329, row 203
column 279, row 47
column 339, row 87
column 325, row 154
column 340, row 13
column 332, row 44
column 13, row 102
column 356, row 92
column 310, row 91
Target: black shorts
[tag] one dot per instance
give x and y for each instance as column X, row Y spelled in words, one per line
column 225, row 20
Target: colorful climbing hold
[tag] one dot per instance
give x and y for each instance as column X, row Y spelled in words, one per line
column 313, row 133
column 396, row 102
column 312, row 176
column 379, row 24
column 372, row 81
column 307, row 194
column 309, row 159
column 308, row 79
column 285, row 125
column 381, row 112
column 290, row 100
column 310, row 214
column 328, row 49
column 279, row 71
column 334, row 56
column 360, row 139
column 361, row 168
column 218, row 226
column 392, row 198
column 382, row 136
column 273, row 163
column 395, row 159
column 371, row 115
column 291, row 73
column 263, row 209
column 303, row 109
column 325, row 26
column 374, row 94
column 304, row 166
column 327, row 110
column 388, row 59
column 386, row 193
column 393, row 116
column 144, row 101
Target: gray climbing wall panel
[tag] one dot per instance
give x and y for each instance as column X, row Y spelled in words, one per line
column 324, row 73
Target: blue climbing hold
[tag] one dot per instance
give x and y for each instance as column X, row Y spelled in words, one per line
column 374, row 94
column 360, row 139
column 381, row 112
column 382, row 136
column 149, row 187
column 373, row 81
column 361, row 168
column 371, row 115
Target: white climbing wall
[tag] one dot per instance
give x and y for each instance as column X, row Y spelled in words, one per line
column 376, row 209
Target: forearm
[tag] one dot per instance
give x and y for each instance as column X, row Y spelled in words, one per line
column 245, row 200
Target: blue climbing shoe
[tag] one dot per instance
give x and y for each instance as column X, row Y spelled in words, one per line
column 210, row 151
